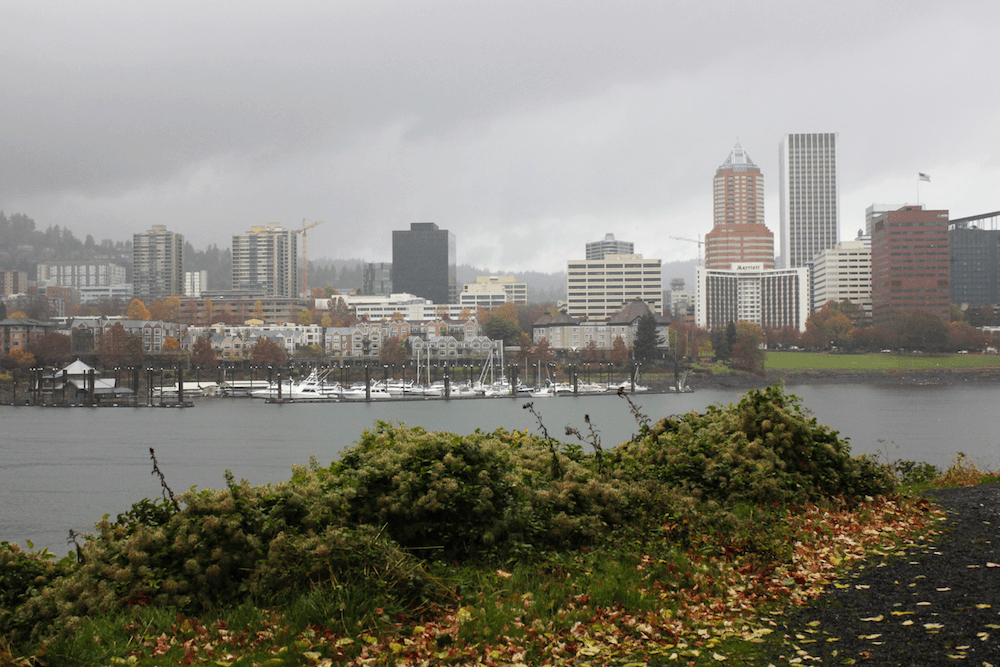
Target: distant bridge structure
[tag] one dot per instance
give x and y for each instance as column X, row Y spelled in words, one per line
column 967, row 223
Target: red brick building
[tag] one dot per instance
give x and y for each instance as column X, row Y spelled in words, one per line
column 910, row 263
column 738, row 233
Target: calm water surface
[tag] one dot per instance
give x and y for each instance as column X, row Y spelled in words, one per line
column 63, row 469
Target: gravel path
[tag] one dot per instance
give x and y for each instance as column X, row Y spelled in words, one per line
column 936, row 604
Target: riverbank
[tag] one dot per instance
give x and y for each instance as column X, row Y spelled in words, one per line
column 907, row 377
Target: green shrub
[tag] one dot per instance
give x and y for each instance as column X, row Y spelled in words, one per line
column 222, row 548
column 763, row 450
column 458, row 497
column 23, row 575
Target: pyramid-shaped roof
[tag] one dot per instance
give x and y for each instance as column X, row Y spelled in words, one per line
column 738, row 160
column 78, row 368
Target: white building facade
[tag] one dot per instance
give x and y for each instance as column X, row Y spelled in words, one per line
column 809, row 196
column 81, row 274
column 599, row 288
column 844, row 273
column 157, row 264
column 266, row 259
column 770, row 298
column 493, row 291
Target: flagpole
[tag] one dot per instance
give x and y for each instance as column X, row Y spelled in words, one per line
column 921, row 176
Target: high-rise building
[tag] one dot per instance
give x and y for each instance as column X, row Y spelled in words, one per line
column 770, row 298
column 738, row 234
column 599, row 288
column 975, row 260
column 423, row 262
column 157, row 264
column 13, row 282
column 609, row 246
column 195, row 282
column 266, row 259
column 81, row 274
column 377, row 278
column 844, row 273
column 910, row 263
column 809, row 196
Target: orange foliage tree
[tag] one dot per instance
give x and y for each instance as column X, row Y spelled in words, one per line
column 137, row 310
column 22, row 358
column 118, row 347
column 202, row 353
column 267, row 352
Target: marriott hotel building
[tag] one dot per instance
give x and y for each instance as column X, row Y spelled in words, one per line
column 770, row 298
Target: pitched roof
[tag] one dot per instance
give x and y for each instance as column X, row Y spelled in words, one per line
column 548, row 320
column 78, row 368
column 633, row 310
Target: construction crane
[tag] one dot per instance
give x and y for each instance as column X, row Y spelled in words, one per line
column 305, row 260
column 698, row 241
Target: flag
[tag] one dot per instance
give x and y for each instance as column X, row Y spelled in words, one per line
column 924, row 177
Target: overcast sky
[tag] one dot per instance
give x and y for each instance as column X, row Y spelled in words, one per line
column 527, row 128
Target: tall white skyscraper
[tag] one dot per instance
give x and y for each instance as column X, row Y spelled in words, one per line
column 810, row 197
column 157, row 264
column 266, row 258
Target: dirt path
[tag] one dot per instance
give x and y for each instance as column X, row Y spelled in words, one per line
column 937, row 604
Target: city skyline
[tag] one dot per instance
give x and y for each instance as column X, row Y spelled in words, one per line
column 525, row 129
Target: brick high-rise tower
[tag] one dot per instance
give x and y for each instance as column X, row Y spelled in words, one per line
column 739, row 235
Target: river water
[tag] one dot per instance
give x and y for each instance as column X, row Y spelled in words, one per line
column 63, row 469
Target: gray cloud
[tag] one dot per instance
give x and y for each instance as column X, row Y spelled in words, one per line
column 526, row 128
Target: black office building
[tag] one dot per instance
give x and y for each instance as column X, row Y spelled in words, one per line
column 423, row 262
column 975, row 260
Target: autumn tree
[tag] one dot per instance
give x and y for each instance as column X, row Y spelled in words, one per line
column 525, row 348
column 209, row 311
column 919, row 330
column 202, row 353
column 21, row 358
column 542, row 351
column 961, row 336
column 304, row 317
column 393, row 351
column 786, row 336
column 258, row 310
column 119, row 348
column 165, row 309
column 340, row 314
column 828, row 326
column 137, row 311
column 52, row 349
column 267, row 352
column 591, row 352
column 619, row 351
column 748, row 350
column 172, row 348
column 501, row 323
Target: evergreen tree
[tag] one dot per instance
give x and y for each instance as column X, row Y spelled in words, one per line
column 645, row 339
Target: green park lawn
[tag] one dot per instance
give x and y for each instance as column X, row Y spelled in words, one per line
column 869, row 362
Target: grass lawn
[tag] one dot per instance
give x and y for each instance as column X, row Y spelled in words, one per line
column 876, row 362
